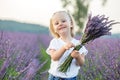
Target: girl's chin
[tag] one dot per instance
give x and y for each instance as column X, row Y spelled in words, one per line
column 62, row 31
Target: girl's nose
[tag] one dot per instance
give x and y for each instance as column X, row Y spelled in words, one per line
column 60, row 24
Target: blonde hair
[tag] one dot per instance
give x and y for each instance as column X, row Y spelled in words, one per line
column 52, row 29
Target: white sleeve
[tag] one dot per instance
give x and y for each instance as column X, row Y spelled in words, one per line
column 52, row 45
column 83, row 50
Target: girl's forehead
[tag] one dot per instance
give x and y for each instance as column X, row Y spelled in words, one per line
column 60, row 15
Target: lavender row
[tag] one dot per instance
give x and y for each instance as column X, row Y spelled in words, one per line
column 19, row 53
column 103, row 60
column 20, row 57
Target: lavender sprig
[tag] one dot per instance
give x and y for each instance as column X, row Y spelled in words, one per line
column 96, row 27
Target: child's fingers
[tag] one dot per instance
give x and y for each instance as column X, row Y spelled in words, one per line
column 69, row 45
column 72, row 45
column 75, row 53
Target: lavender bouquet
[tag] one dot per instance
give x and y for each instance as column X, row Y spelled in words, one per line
column 96, row 27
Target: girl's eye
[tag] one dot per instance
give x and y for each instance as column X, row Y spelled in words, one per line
column 56, row 23
column 63, row 20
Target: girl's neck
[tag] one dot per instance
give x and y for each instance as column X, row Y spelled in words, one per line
column 66, row 38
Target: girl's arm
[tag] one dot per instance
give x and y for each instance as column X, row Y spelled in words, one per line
column 56, row 54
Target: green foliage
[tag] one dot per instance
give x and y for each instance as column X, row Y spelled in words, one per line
column 104, row 2
column 45, row 61
column 1, row 62
column 10, row 73
column 45, row 58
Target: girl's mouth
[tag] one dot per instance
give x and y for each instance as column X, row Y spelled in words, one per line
column 61, row 28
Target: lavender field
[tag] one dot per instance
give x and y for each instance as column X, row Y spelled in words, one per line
column 22, row 57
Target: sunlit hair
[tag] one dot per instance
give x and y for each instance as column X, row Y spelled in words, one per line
column 52, row 28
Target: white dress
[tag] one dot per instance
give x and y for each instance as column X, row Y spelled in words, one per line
column 73, row 70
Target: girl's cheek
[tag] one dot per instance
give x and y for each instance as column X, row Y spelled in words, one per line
column 54, row 27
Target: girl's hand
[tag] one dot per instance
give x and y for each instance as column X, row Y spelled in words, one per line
column 75, row 54
column 68, row 45
column 80, row 58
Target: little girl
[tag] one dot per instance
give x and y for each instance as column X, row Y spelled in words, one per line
column 63, row 43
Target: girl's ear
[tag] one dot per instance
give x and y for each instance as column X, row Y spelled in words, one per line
column 71, row 24
column 71, row 27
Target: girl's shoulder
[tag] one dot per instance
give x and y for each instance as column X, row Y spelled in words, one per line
column 55, row 40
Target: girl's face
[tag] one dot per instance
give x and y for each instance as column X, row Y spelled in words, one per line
column 61, row 23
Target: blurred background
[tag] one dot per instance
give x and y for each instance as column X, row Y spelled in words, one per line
column 24, row 37
column 39, row 12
